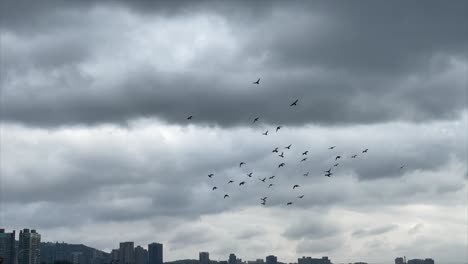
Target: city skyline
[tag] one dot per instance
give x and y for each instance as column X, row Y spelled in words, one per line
column 293, row 128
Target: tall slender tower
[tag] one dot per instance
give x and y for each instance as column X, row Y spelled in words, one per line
column 29, row 248
column 7, row 246
column 155, row 253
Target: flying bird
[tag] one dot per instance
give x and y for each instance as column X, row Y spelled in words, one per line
column 402, row 167
column 210, row 175
column 189, row 118
column 263, row 203
column 275, row 150
column 294, row 103
column 328, row 171
column 214, row 188
column 225, row 196
column 241, row 183
column 250, row 174
column 329, row 174
column 354, row 156
column 300, row 197
column 231, row 181
column 365, row 151
column 278, row 128
column 338, row 157
column 264, row 198
column 281, row 165
column 306, row 174
column 265, row 133
column 336, row 165
column 242, row 163
column 289, row 203
column 304, row 159
column 271, row 184
column 332, row 147
column 295, row 186
column 271, row 177
column 305, row 152
column 263, row 180
column 288, row 147
column 257, row 82
column 255, row 119
column 281, row 155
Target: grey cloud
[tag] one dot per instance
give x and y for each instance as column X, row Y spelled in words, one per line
column 374, row 231
column 330, row 89
column 311, row 229
column 415, row 229
column 318, row 246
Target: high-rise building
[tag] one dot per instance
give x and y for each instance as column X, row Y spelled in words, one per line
column 271, row 259
column 114, row 255
column 141, row 255
column 126, row 253
column 421, row 261
column 232, row 258
column 7, row 246
column 29, row 247
column 204, row 258
column 77, row 258
column 155, row 253
column 399, row 261
column 428, row 261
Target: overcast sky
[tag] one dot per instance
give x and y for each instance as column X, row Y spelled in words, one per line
column 96, row 147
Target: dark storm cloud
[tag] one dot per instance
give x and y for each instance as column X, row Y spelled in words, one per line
column 353, row 68
column 374, row 231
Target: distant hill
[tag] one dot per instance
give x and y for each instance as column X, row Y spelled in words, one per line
column 51, row 252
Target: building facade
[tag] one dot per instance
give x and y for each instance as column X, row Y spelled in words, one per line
column 7, row 246
column 310, row 260
column 271, row 259
column 155, row 253
column 141, row 255
column 204, row 258
column 126, row 253
column 29, row 247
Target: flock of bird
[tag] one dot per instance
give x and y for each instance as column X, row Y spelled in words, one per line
column 327, row 173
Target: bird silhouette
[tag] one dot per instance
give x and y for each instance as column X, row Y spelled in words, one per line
column 338, row 157
column 275, row 150
column 281, row 155
column 332, row 147
column 189, row 118
column 300, row 197
column 336, row 165
column 278, row 128
column 231, row 181
column 365, row 151
column 295, row 186
column 242, row 163
column 304, row 159
column 242, row 183
column 265, row 133
column 402, row 167
column 354, row 156
column 306, row 174
column 329, row 174
column 288, row 147
column 255, row 119
column 289, row 203
column 263, row 203
column 214, row 188
column 250, row 174
column 264, row 198
column 271, row 184
column 263, row 180
column 271, row 177
column 305, row 152
column 210, row 175
column 294, row 103
column 281, row 165
column 328, row 171
column 225, row 196
column 257, row 82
